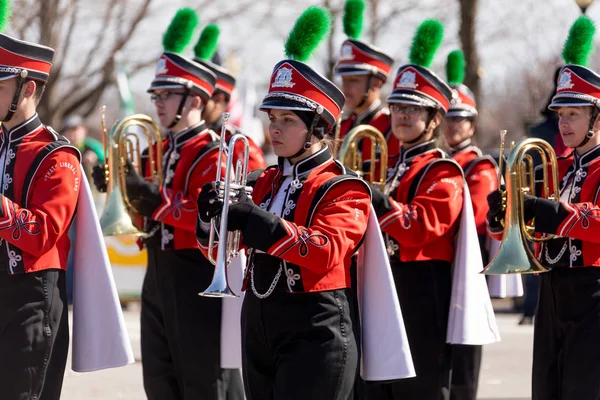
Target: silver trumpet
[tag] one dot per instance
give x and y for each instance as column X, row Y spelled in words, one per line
column 229, row 189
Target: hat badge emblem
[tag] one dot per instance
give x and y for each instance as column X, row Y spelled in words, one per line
column 283, row 79
column 564, row 81
column 161, row 67
column 407, row 80
column 347, row 53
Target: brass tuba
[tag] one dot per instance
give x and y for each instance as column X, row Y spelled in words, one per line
column 119, row 145
column 350, row 153
column 514, row 255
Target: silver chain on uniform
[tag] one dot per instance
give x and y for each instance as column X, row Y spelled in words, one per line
column 271, row 288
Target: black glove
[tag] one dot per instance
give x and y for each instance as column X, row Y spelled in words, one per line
column 239, row 213
column 497, row 210
column 99, row 178
column 137, row 186
column 381, row 202
column 209, row 204
column 529, row 205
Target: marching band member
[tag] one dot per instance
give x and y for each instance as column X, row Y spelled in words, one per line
column 364, row 70
column 567, row 323
column 481, row 177
column 42, row 184
column 419, row 214
column 39, row 195
column 297, row 319
column 204, row 51
column 180, row 331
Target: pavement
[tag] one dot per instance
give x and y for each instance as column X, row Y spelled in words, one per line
column 505, row 371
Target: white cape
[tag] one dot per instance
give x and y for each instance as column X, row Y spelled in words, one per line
column 100, row 338
column 471, row 319
column 385, row 349
column 231, row 329
column 502, row 286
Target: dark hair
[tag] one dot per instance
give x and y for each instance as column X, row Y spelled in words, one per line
column 307, row 117
column 40, row 87
column 225, row 94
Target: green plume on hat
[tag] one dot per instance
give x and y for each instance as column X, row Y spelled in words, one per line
column 207, row 43
column 353, row 18
column 5, row 13
column 180, row 30
column 580, row 41
column 426, row 42
column 309, row 30
column 455, row 67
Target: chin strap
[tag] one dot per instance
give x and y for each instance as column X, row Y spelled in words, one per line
column 590, row 133
column 366, row 94
column 180, row 109
column 312, row 131
column 15, row 101
column 430, row 114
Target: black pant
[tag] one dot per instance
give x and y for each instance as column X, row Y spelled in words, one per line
column 424, row 294
column 532, row 290
column 566, row 350
column 34, row 335
column 466, row 364
column 181, row 331
column 298, row 346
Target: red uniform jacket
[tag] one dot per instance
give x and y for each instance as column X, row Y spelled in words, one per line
column 576, row 218
column 481, row 173
column 190, row 160
column 256, row 158
column 41, row 178
column 323, row 223
column 426, row 196
column 377, row 116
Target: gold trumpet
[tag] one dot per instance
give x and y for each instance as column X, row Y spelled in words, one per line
column 350, row 153
column 119, row 145
column 514, row 255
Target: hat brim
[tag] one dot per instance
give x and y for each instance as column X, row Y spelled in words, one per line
column 7, row 75
column 359, row 69
column 279, row 103
column 414, row 99
column 569, row 102
column 461, row 113
column 283, row 104
column 170, row 84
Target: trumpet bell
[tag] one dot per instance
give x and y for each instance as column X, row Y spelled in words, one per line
column 115, row 220
column 514, row 256
column 219, row 287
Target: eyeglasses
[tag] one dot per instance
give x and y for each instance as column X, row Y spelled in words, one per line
column 406, row 110
column 163, row 96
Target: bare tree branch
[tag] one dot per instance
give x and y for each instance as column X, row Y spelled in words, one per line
column 234, row 12
column 66, row 46
column 93, row 50
column 142, row 65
